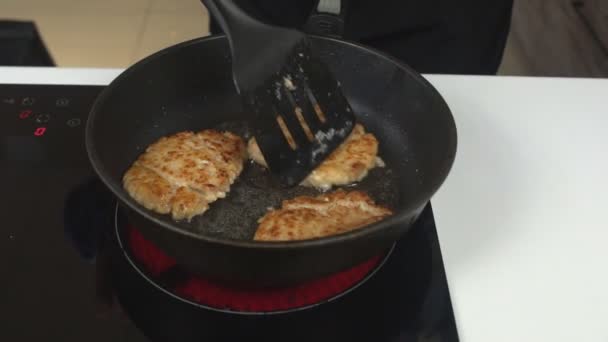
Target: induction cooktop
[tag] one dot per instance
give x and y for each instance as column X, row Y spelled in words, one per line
column 69, row 273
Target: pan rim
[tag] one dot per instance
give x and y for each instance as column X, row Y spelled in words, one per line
column 386, row 223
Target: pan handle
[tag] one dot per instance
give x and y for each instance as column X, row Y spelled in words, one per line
column 328, row 18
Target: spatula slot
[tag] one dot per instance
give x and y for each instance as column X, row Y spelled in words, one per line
column 287, row 106
column 315, row 105
column 305, row 127
column 286, row 133
column 298, row 97
column 297, row 110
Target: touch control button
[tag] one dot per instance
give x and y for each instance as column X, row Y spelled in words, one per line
column 74, row 122
column 62, row 102
column 24, row 114
column 43, row 118
column 28, row 101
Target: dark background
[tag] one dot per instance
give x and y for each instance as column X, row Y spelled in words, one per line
column 546, row 37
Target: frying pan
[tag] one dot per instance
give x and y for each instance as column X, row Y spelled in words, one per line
column 189, row 87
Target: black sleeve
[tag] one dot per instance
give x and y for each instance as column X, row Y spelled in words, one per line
column 437, row 36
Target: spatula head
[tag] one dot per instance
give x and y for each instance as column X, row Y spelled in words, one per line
column 301, row 115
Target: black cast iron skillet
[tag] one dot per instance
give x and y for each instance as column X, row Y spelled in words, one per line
column 189, row 87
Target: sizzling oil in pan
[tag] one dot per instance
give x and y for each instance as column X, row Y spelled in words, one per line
column 255, row 192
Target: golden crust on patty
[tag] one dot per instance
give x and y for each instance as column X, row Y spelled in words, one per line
column 307, row 217
column 348, row 164
column 183, row 173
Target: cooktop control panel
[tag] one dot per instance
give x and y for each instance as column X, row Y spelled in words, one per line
column 38, row 122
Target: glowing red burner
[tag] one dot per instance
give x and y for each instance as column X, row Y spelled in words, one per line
column 213, row 295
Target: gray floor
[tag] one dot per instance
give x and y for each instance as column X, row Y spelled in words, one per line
column 566, row 38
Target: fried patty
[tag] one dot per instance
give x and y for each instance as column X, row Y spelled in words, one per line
column 348, row 164
column 183, row 173
column 307, row 217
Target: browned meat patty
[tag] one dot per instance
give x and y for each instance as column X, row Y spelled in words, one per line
column 183, row 173
column 307, row 217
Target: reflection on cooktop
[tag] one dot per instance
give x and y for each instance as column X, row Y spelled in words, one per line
column 66, row 279
column 407, row 300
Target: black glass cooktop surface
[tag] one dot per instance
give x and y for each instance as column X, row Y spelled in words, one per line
column 59, row 285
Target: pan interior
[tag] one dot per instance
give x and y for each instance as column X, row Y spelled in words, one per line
column 189, row 87
column 255, row 191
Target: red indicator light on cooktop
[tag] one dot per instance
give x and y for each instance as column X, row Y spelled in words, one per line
column 40, row 131
column 25, row 114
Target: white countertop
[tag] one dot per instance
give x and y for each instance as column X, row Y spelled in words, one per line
column 522, row 218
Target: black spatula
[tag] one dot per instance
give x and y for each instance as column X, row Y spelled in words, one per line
column 299, row 114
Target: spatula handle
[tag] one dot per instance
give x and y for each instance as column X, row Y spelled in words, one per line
column 231, row 18
column 258, row 50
